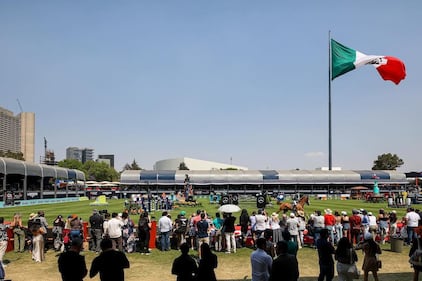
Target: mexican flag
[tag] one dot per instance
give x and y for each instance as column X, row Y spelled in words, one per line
column 345, row 59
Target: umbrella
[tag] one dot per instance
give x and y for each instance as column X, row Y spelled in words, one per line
column 229, row 208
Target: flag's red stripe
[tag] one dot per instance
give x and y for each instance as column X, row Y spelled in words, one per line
column 394, row 70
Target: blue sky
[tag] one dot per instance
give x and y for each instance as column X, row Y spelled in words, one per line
column 213, row 80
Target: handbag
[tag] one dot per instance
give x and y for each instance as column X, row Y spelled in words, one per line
column 353, row 270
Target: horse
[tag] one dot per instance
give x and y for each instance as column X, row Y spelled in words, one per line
column 285, row 206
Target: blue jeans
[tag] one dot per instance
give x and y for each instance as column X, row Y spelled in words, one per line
column 165, row 241
column 410, row 234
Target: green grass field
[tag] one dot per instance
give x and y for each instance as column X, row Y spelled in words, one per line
column 157, row 266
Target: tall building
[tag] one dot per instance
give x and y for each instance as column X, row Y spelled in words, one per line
column 80, row 154
column 17, row 133
column 107, row 158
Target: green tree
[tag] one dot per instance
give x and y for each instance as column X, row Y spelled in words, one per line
column 387, row 161
column 71, row 164
column 183, row 167
column 14, row 155
column 99, row 171
column 133, row 166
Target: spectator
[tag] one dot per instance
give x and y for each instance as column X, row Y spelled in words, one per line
column 345, row 256
column 329, row 222
column 144, row 228
column 228, row 226
column 3, row 240
column 207, row 264
column 412, row 222
column 181, row 228
column 114, row 231
column 110, row 263
column 165, row 227
column 202, row 232
column 325, row 255
column 383, row 221
column 184, row 266
column 318, row 225
column 261, row 262
column 37, row 231
column 244, row 225
column 416, row 246
column 96, row 222
column 260, row 222
column 127, row 232
column 58, row 227
column 338, row 227
column 292, row 246
column 292, row 225
column 355, row 226
column 18, row 233
column 370, row 261
column 285, row 266
column 71, row 264
column 275, row 227
column 218, row 224
column 345, row 224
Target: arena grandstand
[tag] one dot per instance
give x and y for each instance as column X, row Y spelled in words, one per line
column 255, row 181
column 21, row 180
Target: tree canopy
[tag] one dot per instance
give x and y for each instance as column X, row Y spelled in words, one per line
column 183, row 167
column 10, row 154
column 133, row 166
column 98, row 171
column 387, row 161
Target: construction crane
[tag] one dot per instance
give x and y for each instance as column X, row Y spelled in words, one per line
column 20, row 106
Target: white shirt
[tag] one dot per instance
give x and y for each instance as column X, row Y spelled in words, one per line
column 164, row 224
column 260, row 222
column 412, row 219
column 115, row 228
column 261, row 265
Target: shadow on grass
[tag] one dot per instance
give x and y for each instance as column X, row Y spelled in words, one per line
column 382, row 276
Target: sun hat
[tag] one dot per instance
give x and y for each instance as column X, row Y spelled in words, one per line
column 292, row 215
column 343, row 213
column 369, row 213
column 32, row 216
column 182, row 213
column 328, row 211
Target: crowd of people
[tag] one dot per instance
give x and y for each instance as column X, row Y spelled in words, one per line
column 276, row 240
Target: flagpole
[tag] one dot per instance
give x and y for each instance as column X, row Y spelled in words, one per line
column 330, row 164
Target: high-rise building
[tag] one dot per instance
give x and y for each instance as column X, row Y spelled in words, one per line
column 17, row 133
column 107, row 158
column 80, row 154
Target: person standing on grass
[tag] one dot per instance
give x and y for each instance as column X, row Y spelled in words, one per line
column 165, row 225
column 110, row 263
column 18, row 233
column 114, row 230
column 285, row 266
column 228, row 226
column 3, row 239
column 184, row 266
column 370, row 261
column 261, row 262
column 71, row 264
column 207, row 264
column 96, row 223
column 346, row 257
column 325, row 254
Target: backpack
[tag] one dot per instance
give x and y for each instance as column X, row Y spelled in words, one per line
column 416, row 257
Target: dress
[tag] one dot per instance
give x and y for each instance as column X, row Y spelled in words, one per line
column 110, row 264
column 371, row 249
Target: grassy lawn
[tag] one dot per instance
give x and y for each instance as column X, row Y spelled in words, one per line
column 157, row 266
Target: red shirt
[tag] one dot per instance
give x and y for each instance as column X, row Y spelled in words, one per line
column 329, row 219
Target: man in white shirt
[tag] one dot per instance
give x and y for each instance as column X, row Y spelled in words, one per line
column 165, row 226
column 261, row 262
column 412, row 221
column 114, row 230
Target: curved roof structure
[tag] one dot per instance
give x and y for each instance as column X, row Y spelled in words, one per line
column 219, row 177
column 10, row 166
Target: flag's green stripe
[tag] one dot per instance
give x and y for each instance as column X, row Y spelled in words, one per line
column 342, row 59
